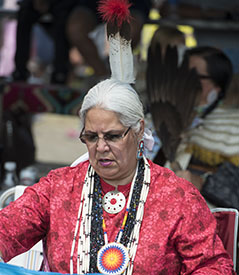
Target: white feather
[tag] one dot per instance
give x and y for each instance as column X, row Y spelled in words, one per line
column 121, row 59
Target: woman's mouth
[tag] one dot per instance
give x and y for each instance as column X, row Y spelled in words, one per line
column 105, row 162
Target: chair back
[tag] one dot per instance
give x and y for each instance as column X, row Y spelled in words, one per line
column 227, row 229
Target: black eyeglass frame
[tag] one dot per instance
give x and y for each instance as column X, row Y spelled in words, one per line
column 203, row 76
column 81, row 137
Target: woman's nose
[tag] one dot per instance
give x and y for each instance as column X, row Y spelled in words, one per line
column 101, row 144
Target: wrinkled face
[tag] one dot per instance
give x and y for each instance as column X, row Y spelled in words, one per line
column 113, row 160
column 208, row 85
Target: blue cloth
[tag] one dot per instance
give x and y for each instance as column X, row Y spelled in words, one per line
column 7, row 269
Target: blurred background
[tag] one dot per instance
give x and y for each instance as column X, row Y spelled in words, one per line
column 42, row 86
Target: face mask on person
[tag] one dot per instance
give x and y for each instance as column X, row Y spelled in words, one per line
column 211, row 97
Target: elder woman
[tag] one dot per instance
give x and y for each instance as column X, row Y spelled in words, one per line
column 116, row 212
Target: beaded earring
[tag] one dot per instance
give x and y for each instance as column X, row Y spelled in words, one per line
column 140, row 149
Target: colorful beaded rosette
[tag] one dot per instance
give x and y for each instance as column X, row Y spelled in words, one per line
column 113, row 258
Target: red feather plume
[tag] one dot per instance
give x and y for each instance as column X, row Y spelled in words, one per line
column 117, row 10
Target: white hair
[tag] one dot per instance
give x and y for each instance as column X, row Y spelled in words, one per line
column 116, row 96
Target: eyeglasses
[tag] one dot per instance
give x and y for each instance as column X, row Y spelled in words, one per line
column 203, row 76
column 109, row 138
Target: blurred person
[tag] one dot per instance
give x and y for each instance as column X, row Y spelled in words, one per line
column 198, row 134
column 232, row 96
column 71, row 25
column 212, row 139
column 7, row 37
column 31, row 12
column 84, row 20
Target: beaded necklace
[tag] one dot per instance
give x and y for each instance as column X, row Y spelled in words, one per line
column 92, row 238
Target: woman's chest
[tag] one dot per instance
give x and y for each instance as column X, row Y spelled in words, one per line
column 155, row 251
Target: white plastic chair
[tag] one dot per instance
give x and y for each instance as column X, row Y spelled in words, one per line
column 82, row 158
column 32, row 259
column 227, row 229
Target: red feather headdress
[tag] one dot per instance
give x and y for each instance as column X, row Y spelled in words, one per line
column 117, row 16
column 115, row 10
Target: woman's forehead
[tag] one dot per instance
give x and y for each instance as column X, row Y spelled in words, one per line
column 99, row 117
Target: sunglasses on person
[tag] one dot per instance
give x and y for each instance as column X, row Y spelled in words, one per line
column 109, row 138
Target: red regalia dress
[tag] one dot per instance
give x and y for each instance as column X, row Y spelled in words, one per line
column 177, row 234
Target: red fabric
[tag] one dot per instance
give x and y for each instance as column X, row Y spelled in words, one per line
column 177, row 234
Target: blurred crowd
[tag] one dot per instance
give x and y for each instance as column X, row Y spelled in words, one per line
column 53, row 37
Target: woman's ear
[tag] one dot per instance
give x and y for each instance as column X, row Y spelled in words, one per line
column 141, row 131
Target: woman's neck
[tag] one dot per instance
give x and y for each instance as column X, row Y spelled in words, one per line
column 123, row 180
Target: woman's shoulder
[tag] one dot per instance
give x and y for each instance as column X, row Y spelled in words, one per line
column 221, row 114
column 65, row 177
column 70, row 170
column 167, row 187
column 162, row 177
column 217, row 136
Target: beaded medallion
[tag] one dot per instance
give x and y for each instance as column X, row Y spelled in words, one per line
column 113, row 258
column 113, row 202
